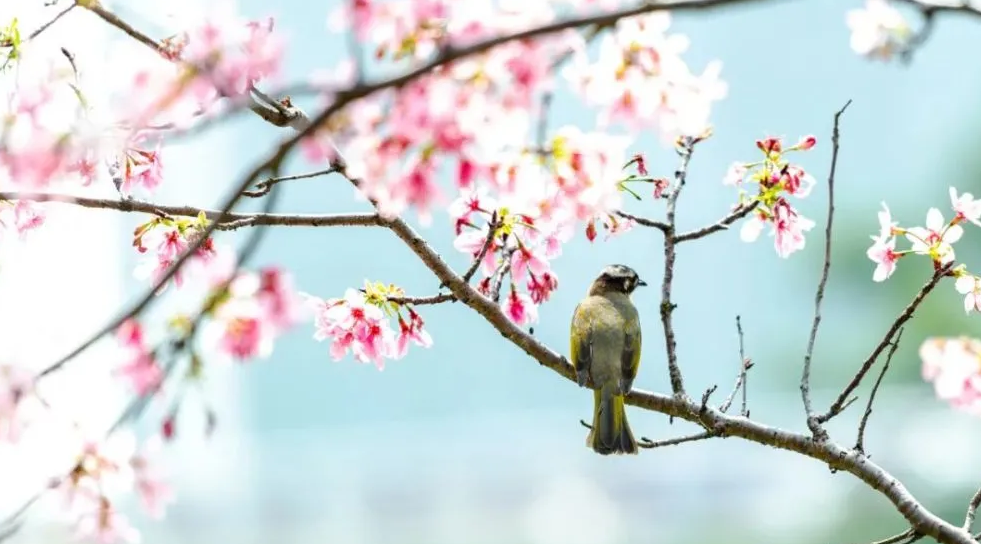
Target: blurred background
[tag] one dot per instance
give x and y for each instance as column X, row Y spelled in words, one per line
column 471, row 441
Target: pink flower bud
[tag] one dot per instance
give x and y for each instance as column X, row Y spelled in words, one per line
column 806, row 142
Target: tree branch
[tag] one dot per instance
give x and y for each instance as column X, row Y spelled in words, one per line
column 860, row 440
column 263, row 187
column 225, row 220
column 735, row 215
column 972, row 510
column 826, row 451
column 492, row 227
column 805, row 379
column 643, row 221
column 684, row 148
column 842, row 401
column 744, row 365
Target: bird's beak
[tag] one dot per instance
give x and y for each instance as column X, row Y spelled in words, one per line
column 641, row 283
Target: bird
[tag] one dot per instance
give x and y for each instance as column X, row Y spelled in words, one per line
column 605, row 343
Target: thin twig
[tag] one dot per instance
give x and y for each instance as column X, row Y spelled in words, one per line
column 860, row 440
column 262, row 188
column 805, row 379
column 906, row 537
column 647, row 443
column 423, row 301
column 500, row 273
column 839, row 404
column 643, row 221
column 744, row 365
column 735, row 215
column 492, row 227
column 37, row 32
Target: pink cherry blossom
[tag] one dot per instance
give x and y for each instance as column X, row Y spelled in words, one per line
column 352, row 324
column 106, row 525
column 878, row 30
column 736, row 174
column 281, row 305
column 15, row 384
column 883, row 254
column 411, row 331
column 154, row 492
column 140, row 368
column 966, row 207
column 520, row 308
column 936, row 239
column 953, row 366
column 969, row 286
column 789, row 229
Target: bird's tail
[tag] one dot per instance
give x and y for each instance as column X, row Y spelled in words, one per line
column 611, row 432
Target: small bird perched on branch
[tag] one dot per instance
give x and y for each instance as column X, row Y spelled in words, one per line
column 605, row 351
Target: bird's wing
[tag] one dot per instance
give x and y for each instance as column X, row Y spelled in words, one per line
column 581, row 344
column 630, row 359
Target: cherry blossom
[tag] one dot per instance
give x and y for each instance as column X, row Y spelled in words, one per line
column 936, row 239
column 883, row 250
column 106, row 525
column 953, row 366
column 878, row 30
column 520, row 308
column 969, row 285
column 140, row 367
column 775, row 179
column 15, row 384
column 966, row 207
column 154, row 492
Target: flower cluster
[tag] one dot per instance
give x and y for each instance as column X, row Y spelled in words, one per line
column 878, row 30
column 360, row 322
column 165, row 239
column 776, row 179
column 935, row 240
column 139, row 364
column 953, row 365
column 103, row 472
column 641, row 79
column 251, row 312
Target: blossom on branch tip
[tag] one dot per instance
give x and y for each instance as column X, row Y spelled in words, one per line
column 775, row 178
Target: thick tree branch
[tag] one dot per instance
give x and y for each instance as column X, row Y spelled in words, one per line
column 972, row 510
column 225, row 220
column 827, row 451
column 805, row 380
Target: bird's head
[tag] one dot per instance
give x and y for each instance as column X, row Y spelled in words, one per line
column 616, row 278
